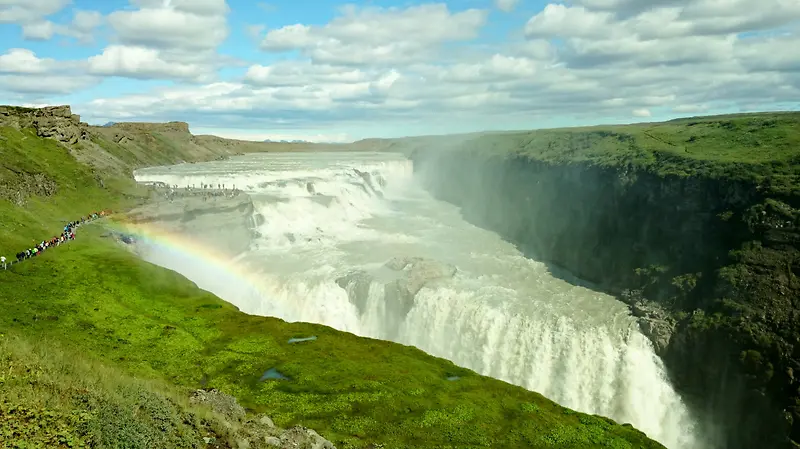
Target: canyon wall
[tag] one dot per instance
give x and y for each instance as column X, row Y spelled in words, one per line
column 709, row 264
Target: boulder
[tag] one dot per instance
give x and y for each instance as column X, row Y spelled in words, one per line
column 658, row 331
column 655, row 323
column 221, row 403
column 299, row 437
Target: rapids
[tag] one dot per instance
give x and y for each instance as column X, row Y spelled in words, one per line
column 321, row 216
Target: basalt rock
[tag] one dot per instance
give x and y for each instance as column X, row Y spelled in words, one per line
column 56, row 122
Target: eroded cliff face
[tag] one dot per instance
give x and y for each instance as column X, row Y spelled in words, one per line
column 709, row 266
column 223, row 224
column 56, row 122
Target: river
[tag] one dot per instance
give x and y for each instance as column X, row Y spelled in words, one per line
column 323, row 215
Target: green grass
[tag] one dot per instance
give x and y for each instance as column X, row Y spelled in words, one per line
column 127, row 318
column 54, row 397
column 761, row 148
column 27, row 160
column 153, row 323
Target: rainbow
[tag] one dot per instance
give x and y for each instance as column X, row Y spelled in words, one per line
column 153, row 234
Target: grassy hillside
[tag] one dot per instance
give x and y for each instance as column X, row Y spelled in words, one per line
column 763, row 148
column 101, row 317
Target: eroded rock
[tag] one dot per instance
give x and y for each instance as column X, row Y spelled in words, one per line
column 299, row 437
column 420, row 271
column 655, row 323
column 413, row 274
column 221, row 403
column 56, row 122
column 255, row 432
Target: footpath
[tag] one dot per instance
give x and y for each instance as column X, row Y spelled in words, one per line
column 66, row 236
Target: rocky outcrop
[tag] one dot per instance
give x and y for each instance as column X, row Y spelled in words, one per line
column 169, row 127
column 57, row 122
column 417, row 272
column 406, row 277
column 654, row 321
column 220, row 222
column 24, row 185
column 254, row 432
column 708, row 266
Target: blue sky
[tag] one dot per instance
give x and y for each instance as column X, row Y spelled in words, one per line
column 338, row 71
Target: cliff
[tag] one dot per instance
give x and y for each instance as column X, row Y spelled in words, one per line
column 694, row 223
column 220, row 223
column 118, row 347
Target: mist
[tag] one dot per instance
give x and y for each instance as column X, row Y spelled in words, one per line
column 355, row 242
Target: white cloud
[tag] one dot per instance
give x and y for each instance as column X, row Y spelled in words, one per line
column 593, row 59
column 24, row 61
column 142, row 63
column 48, row 84
column 560, row 20
column 169, row 28
column 375, row 35
column 23, row 73
column 174, row 39
column 303, row 74
column 29, row 11
column 690, row 108
column 39, row 31
column 31, row 16
column 506, row 5
column 83, row 25
column 259, row 136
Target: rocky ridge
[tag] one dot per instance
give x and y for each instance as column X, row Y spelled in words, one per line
column 57, row 122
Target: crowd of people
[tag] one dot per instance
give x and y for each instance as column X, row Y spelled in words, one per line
column 205, row 191
column 67, row 235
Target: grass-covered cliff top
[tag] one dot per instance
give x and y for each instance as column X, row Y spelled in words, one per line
column 82, row 320
column 763, row 148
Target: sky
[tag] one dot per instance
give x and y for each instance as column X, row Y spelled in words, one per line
column 323, row 70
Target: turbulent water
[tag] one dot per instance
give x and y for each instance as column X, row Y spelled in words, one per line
column 322, row 216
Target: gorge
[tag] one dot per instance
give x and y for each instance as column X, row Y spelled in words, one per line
column 350, row 240
column 647, row 273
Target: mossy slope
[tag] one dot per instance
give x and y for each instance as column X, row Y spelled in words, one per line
column 142, row 320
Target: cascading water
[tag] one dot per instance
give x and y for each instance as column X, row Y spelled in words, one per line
column 327, row 223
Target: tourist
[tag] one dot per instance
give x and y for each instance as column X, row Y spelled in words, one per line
column 65, row 236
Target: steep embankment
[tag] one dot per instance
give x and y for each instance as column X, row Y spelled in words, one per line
column 694, row 223
column 95, row 309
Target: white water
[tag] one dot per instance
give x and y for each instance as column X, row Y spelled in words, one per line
column 502, row 315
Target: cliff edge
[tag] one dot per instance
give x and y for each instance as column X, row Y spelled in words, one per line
column 695, row 223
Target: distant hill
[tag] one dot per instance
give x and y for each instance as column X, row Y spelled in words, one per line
column 287, row 141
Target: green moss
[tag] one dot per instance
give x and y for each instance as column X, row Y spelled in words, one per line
column 761, row 148
column 141, row 320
